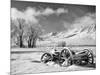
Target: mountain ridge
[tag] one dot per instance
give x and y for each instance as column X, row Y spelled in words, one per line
column 78, row 36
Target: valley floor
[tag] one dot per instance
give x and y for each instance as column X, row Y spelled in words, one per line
column 27, row 61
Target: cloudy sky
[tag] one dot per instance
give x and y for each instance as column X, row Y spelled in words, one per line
column 53, row 17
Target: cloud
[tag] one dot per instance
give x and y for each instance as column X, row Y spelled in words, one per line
column 84, row 21
column 66, row 25
column 80, row 22
column 27, row 15
column 30, row 13
column 47, row 11
column 61, row 10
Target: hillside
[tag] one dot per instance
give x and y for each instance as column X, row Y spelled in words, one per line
column 78, row 36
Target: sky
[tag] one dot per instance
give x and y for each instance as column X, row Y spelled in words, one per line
column 53, row 17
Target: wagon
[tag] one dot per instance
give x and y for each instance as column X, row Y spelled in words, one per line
column 69, row 57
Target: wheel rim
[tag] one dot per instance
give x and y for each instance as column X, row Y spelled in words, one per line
column 46, row 57
column 90, row 58
column 66, row 54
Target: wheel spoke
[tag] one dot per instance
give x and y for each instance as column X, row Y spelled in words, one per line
column 90, row 60
column 90, row 55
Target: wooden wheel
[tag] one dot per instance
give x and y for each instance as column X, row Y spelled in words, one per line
column 90, row 58
column 46, row 57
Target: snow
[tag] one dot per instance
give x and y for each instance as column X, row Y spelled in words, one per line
column 27, row 61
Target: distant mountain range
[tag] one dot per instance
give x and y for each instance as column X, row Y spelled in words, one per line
column 78, row 36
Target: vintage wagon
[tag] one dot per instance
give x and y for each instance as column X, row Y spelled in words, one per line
column 82, row 57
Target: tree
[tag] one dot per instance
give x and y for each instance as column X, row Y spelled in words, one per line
column 24, row 31
column 14, row 32
column 17, row 30
column 33, row 35
column 21, row 23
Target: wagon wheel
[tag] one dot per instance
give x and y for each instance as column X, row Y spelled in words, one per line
column 67, row 55
column 90, row 58
column 46, row 57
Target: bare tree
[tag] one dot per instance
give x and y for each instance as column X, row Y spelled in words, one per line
column 33, row 36
column 14, row 33
column 17, row 30
column 24, row 31
column 21, row 23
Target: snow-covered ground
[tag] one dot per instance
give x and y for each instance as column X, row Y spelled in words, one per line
column 27, row 61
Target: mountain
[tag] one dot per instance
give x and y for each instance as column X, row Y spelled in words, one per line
column 78, row 36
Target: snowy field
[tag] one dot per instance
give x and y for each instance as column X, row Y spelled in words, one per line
column 27, row 61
